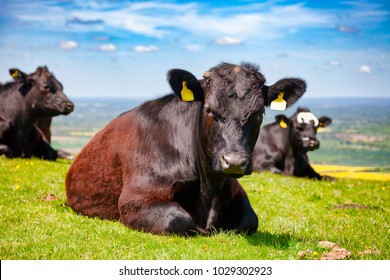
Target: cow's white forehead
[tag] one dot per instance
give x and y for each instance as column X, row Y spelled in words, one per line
column 306, row 117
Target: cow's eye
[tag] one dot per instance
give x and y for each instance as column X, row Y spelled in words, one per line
column 216, row 117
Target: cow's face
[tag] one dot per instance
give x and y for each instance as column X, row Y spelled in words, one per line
column 232, row 114
column 233, row 99
column 43, row 92
column 303, row 129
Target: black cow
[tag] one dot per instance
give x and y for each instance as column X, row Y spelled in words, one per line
column 24, row 101
column 170, row 165
column 283, row 145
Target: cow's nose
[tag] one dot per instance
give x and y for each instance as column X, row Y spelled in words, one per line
column 69, row 107
column 315, row 144
column 234, row 163
column 311, row 142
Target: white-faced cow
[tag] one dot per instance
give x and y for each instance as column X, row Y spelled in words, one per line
column 283, row 145
column 170, row 165
column 24, row 101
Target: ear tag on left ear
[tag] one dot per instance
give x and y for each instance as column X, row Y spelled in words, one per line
column 15, row 74
column 282, row 124
column 279, row 103
column 186, row 93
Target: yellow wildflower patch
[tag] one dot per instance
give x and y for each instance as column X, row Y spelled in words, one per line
column 354, row 172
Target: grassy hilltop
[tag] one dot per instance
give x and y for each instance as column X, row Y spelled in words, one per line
column 294, row 215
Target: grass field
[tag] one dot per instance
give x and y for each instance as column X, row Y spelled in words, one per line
column 294, row 215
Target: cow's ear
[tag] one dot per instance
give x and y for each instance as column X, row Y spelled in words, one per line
column 284, row 93
column 324, row 121
column 282, row 120
column 18, row 75
column 185, row 85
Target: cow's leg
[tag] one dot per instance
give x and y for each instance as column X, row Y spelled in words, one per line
column 4, row 130
column 274, row 170
column 64, row 154
column 44, row 150
column 269, row 167
column 4, row 150
column 240, row 216
column 155, row 216
column 304, row 169
column 232, row 210
column 312, row 174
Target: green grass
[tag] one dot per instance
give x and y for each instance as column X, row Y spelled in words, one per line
column 294, row 215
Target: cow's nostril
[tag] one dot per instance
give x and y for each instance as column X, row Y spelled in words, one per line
column 244, row 163
column 224, row 162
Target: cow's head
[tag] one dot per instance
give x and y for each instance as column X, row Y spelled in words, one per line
column 232, row 99
column 43, row 92
column 303, row 127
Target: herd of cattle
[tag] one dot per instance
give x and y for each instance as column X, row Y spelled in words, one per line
column 170, row 165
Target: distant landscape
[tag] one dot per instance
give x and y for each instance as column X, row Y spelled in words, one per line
column 358, row 136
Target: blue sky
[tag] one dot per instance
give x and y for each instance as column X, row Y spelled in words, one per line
column 125, row 48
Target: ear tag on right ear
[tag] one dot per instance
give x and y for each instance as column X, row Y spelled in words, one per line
column 279, row 103
column 282, row 124
column 15, row 74
column 186, row 93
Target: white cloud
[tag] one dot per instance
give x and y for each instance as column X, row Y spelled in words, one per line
column 150, row 48
column 155, row 19
column 267, row 20
column 107, row 48
column 365, row 69
column 67, row 45
column 347, row 29
column 334, row 63
column 228, row 41
column 194, row 47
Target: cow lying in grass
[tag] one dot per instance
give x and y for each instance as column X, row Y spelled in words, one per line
column 24, row 101
column 283, row 145
column 170, row 165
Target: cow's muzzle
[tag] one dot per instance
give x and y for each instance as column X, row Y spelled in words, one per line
column 310, row 143
column 69, row 107
column 234, row 163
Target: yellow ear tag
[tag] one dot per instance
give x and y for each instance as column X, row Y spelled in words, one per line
column 282, row 124
column 186, row 93
column 279, row 103
column 15, row 74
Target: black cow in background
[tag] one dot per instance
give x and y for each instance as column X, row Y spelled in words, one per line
column 282, row 146
column 22, row 102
